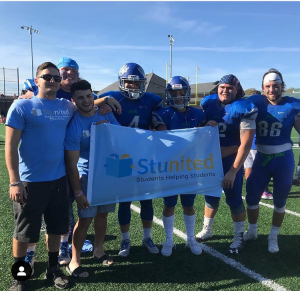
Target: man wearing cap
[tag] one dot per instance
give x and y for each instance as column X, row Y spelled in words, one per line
column 235, row 118
column 277, row 115
column 69, row 72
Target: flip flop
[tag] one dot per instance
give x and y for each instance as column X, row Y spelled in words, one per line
column 79, row 272
column 105, row 260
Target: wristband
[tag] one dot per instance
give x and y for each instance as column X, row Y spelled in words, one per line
column 78, row 194
column 15, row 184
column 106, row 99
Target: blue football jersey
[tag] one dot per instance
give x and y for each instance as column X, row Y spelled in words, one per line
column 137, row 112
column 274, row 123
column 173, row 119
column 229, row 117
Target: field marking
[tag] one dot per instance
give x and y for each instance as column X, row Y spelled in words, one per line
column 271, row 206
column 1, row 135
column 267, row 282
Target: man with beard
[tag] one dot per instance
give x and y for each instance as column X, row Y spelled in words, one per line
column 277, row 115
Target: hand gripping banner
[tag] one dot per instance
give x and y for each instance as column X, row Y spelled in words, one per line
column 130, row 164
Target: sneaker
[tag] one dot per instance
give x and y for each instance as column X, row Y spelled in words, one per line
column 237, row 244
column 167, row 248
column 296, row 180
column 267, row 195
column 194, row 246
column 17, row 285
column 64, row 256
column 204, row 234
column 273, row 243
column 59, row 279
column 150, row 246
column 30, row 260
column 250, row 235
column 124, row 248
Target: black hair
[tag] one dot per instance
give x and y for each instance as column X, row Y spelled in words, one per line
column 81, row 85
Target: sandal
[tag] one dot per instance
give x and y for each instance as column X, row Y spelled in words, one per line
column 105, row 260
column 79, row 272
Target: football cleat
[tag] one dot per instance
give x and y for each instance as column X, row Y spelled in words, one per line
column 250, row 235
column 237, row 244
column 267, row 195
column 273, row 243
column 204, row 234
column 64, row 256
column 167, row 248
column 194, row 246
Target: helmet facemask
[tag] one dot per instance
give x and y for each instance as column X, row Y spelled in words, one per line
column 133, row 93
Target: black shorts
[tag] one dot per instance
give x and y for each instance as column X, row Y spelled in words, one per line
column 48, row 198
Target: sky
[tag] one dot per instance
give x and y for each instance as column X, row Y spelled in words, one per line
column 241, row 38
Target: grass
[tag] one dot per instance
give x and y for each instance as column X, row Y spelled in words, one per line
column 181, row 271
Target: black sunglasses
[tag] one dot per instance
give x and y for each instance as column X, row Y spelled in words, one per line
column 48, row 77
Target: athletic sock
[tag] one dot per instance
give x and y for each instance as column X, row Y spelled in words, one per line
column 169, row 226
column 189, row 221
column 125, row 235
column 208, row 222
column 147, row 232
column 274, row 230
column 239, row 226
column 52, row 259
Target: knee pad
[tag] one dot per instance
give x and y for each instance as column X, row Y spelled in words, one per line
column 170, row 201
column 187, row 200
column 279, row 209
column 252, row 206
column 146, row 210
column 124, row 213
column 212, row 206
column 237, row 209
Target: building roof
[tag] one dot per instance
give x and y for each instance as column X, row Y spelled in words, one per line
column 204, row 88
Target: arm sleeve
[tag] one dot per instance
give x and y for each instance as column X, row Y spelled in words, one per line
column 72, row 140
column 16, row 117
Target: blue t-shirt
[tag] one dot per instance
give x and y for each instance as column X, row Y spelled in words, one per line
column 173, row 119
column 229, row 117
column 78, row 137
column 43, row 124
column 274, row 123
column 137, row 112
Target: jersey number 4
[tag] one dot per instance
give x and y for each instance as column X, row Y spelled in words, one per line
column 134, row 122
column 263, row 128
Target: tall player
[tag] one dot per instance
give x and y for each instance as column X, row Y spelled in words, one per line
column 137, row 107
column 236, row 120
column 277, row 115
column 178, row 115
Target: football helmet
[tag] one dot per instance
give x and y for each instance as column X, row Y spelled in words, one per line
column 134, row 75
column 175, row 84
column 29, row 85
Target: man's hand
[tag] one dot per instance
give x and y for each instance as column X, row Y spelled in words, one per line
column 102, row 121
column 228, row 180
column 82, row 202
column 18, row 193
column 115, row 105
column 211, row 123
column 104, row 109
column 27, row 95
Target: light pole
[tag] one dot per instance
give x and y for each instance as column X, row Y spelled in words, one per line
column 31, row 30
column 170, row 36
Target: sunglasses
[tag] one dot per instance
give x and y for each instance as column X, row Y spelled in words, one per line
column 49, row 77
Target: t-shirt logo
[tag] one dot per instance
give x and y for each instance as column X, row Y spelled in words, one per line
column 86, row 133
column 36, row 112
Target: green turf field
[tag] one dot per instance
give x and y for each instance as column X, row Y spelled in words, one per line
column 253, row 269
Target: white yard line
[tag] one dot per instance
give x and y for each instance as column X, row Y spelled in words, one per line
column 234, row 264
column 271, row 206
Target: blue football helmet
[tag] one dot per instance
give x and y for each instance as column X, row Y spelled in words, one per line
column 175, row 84
column 29, row 85
column 132, row 72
